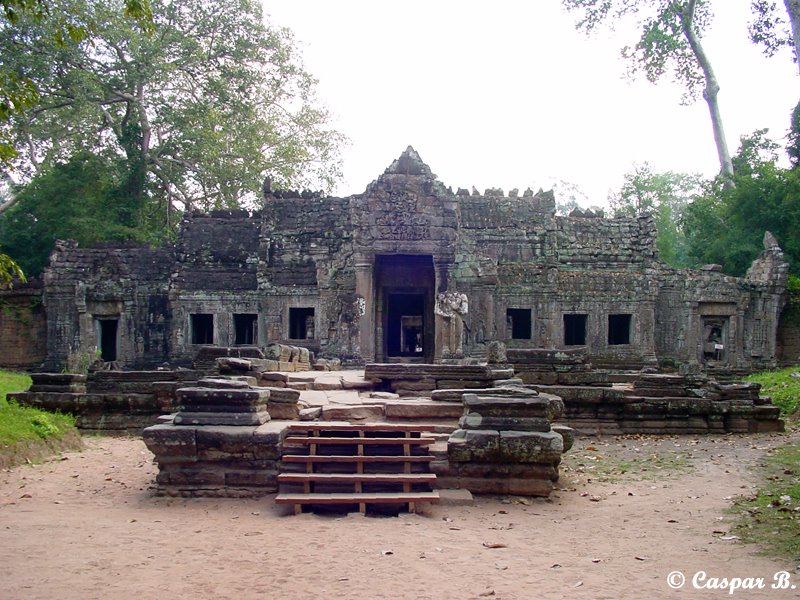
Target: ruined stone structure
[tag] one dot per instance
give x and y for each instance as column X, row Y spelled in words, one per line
column 387, row 275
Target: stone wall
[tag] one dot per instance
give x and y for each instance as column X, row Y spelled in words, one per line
column 319, row 272
column 23, row 327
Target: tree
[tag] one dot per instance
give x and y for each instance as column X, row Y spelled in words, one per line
column 17, row 92
column 770, row 30
column 726, row 225
column 665, row 196
column 201, row 109
column 82, row 199
column 670, row 41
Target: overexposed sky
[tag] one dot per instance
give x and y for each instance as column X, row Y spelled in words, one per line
column 508, row 94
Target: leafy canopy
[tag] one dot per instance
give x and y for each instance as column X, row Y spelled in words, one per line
column 202, row 108
column 665, row 196
column 726, row 225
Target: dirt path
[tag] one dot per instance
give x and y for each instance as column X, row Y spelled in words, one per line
column 87, row 526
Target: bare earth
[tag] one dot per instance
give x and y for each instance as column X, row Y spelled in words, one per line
column 88, row 526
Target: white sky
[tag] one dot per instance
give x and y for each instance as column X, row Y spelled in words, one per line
column 508, row 94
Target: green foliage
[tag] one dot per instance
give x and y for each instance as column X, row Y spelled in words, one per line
column 726, row 224
column 769, row 28
column 771, row 517
column 662, row 48
column 782, row 386
column 18, row 92
column 665, row 196
column 201, row 108
column 9, row 271
column 18, row 423
column 83, row 199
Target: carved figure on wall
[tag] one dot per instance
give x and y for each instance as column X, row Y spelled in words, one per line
column 452, row 307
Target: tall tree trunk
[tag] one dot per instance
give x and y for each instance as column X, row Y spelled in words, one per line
column 710, row 91
column 793, row 8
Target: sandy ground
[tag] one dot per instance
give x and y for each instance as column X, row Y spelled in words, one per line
column 88, row 526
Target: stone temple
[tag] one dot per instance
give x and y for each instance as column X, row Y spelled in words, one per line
column 408, row 271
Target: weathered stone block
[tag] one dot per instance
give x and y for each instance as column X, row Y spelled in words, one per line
column 283, row 395
column 542, row 406
column 285, row 411
column 477, row 421
column 531, row 447
column 474, row 446
column 567, row 435
column 221, row 418
column 171, row 444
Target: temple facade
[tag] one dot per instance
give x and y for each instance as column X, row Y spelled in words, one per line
column 409, row 271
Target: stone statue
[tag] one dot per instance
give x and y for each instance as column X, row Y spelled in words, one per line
column 452, row 307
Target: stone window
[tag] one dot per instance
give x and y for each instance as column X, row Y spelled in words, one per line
column 245, row 329
column 575, row 329
column 202, row 326
column 518, row 323
column 107, row 338
column 301, row 323
column 619, row 330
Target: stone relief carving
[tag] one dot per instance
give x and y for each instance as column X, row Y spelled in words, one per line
column 452, row 307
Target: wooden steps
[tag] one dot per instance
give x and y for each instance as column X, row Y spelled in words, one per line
column 356, row 465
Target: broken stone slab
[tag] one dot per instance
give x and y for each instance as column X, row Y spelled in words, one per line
column 283, row 395
column 327, row 384
column 57, row 378
column 310, row 414
column 277, row 377
column 567, row 435
column 314, row 398
column 504, row 486
column 421, row 409
column 477, row 421
column 455, row 497
column 228, row 364
column 190, row 396
column 386, row 396
column 225, row 383
column 544, row 405
column 336, row 412
column 221, row 418
column 285, row 411
column 171, row 444
column 456, row 395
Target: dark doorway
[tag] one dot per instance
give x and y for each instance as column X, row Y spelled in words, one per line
column 405, row 324
column 619, row 330
column 245, row 329
column 202, row 328
column 404, row 307
column 107, row 333
column 518, row 323
column 574, row 330
column 301, row 323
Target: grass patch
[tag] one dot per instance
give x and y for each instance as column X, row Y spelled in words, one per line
column 647, row 466
column 771, row 518
column 29, row 434
column 781, row 387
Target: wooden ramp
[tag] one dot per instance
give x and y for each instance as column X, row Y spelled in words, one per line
column 348, row 465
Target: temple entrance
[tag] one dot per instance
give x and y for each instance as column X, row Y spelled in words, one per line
column 404, row 308
column 404, row 324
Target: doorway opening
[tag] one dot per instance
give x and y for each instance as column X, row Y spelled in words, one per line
column 245, row 328
column 107, row 338
column 405, row 322
column 404, row 309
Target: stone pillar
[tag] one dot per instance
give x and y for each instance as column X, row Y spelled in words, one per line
column 646, row 330
column 365, row 287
